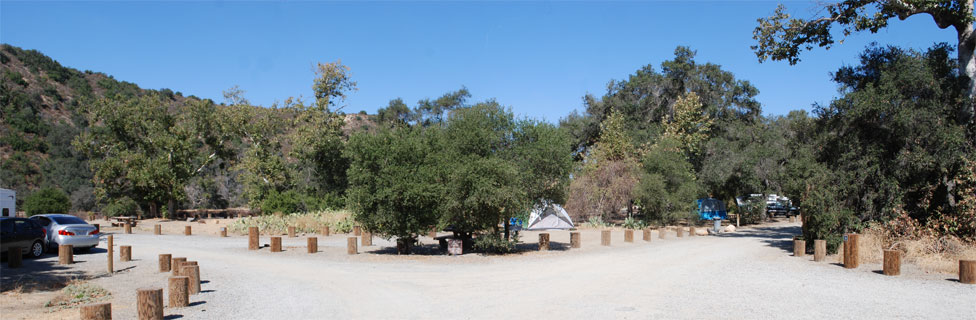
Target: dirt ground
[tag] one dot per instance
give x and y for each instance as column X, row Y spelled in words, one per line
column 747, row 274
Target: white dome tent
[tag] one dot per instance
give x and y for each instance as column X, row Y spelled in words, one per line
column 549, row 217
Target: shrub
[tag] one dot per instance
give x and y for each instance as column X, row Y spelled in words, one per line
column 78, row 294
column 339, row 221
column 826, row 219
column 47, row 200
column 631, row 223
column 493, row 244
column 122, row 207
column 597, row 222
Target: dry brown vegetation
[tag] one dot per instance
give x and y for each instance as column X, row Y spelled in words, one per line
column 929, row 253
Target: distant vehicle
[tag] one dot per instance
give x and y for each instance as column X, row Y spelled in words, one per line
column 712, row 209
column 8, row 203
column 23, row 233
column 67, row 229
column 776, row 208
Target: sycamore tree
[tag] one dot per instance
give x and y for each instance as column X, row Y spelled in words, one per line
column 782, row 37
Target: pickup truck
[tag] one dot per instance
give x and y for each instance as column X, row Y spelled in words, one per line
column 773, row 209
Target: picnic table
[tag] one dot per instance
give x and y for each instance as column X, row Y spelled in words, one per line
column 121, row 221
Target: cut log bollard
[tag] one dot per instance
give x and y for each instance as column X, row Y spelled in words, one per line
column 647, row 234
column 128, row 228
column 850, row 252
column 680, row 232
column 313, row 245
column 252, row 238
column 187, row 231
column 275, row 244
column 892, row 263
column 367, row 239
column 967, row 271
column 291, row 232
column 175, row 265
column 691, row 231
column 357, row 231
column 157, row 229
column 193, row 273
column 432, row 233
column 125, row 253
column 543, row 242
column 574, row 239
column 111, row 254
column 628, row 235
column 150, row 303
column 819, row 250
column 15, row 257
column 792, row 219
column 179, row 294
column 351, row 246
column 605, row 238
column 799, row 248
column 164, row 261
column 96, row 311
column 662, row 233
column 326, row 231
column 66, row 254
column 223, row 232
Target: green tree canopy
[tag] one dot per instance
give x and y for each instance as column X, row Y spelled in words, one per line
column 47, row 200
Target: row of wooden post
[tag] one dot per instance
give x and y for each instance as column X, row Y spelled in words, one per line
column 312, row 242
column 574, row 237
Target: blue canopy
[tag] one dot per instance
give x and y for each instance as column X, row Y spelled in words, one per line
column 711, row 209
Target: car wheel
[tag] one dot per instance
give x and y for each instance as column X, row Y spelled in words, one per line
column 36, row 250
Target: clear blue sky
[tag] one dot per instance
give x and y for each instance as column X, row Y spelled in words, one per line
column 539, row 58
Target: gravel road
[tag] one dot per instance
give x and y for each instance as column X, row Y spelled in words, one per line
column 746, row 274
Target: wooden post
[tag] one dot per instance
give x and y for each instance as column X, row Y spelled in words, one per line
column 819, row 250
column 543, row 242
column 15, row 257
column 357, row 231
column 192, row 272
column 252, row 238
column 691, row 231
column 66, row 254
column 223, row 232
column 179, row 294
column 111, row 254
column 850, row 251
column 892, row 263
column 150, row 303
column 680, row 231
column 351, row 246
column 647, row 234
column 164, row 261
column 662, row 233
column 967, row 271
column 125, row 253
column 128, row 227
column 175, row 265
column 367, row 239
column 792, row 219
column 799, row 248
column 291, row 232
column 275, row 244
column 433, row 232
column 186, row 231
column 628, row 235
column 157, row 229
column 574, row 239
column 96, row 311
column 605, row 237
column 326, row 231
column 313, row 245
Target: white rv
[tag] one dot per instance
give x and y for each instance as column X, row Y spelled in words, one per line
column 8, row 203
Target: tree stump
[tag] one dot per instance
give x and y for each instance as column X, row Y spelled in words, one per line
column 291, row 232
column 680, row 232
column 192, row 272
column 125, row 253
column 66, row 254
column 605, row 238
column 96, row 311
column 357, row 231
column 799, row 248
column 111, row 254
column 574, row 239
column 326, row 231
column 662, row 233
column 275, row 244
column 175, row 265
column 157, row 229
column 967, row 271
column 252, row 238
column 128, row 227
column 164, row 261
column 850, row 251
column 892, row 263
column 179, row 294
column 15, row 257
column 186, row 231
column 543, row 242
column 223, row 232
column 628, row 235
column 647, row 234
column 150, row 303
column 313, row 245
column 351, row 246
column 367, row 239
column 819, row 250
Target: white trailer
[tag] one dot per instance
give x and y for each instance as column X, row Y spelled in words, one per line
column 8, row 203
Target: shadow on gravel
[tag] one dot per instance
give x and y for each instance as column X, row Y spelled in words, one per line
column 553, row 246
column 774, row 236
column 38, row 275
column 173, row 316
column 197, row 303
column 420, row 250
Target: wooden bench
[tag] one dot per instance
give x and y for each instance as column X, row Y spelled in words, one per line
column 121, row 221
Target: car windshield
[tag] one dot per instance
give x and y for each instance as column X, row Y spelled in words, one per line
column 68, row 220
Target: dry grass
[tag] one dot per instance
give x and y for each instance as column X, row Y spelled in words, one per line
column 78, row 293
column 931, row 254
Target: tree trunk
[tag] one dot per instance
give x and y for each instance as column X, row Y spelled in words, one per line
column 403, row 245
column 967, row 63
column 153, row 209
column 150, row 304
column 96, row 311
column 171, row 208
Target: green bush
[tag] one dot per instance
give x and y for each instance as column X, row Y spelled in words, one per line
column 121, row 207
column 493, row 244
column 635, row 224
column 47, row 200
column 292, row 201
column 826, row 219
